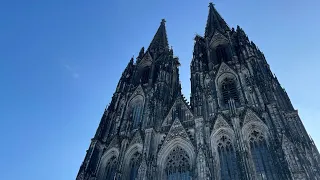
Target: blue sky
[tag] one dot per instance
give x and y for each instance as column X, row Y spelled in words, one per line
column 60, row 61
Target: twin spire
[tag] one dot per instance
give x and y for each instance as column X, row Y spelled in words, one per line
column 215, row 22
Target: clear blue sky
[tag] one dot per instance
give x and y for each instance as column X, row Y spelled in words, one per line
column 60, row 61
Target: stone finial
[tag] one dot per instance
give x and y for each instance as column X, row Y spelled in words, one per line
column 163, row 21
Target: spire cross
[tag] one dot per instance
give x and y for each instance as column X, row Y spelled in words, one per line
column 211, row 3
column 163, row 21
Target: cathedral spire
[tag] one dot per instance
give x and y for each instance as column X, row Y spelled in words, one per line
column 160, row 41
column 214, row 22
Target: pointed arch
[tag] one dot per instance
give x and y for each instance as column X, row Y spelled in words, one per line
column 108, row 164
column 220, row 122
column 251, row 123
column 146, row 60
column 138, row 91
column 176, row 130
column 218, row 39
column 144, row 69
column 228, row 86
column 178, row 164
column 114, row 143
column 166, row 154
column 261, row 156
column 180, row 109
column 136, row 139
column 224, row 71
column 223, row 150
column 251, row 116
column 256, row 135
column 132, row 160
column 135, row 108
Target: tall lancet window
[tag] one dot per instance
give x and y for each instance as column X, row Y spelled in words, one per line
column 177, row 165
column 134, row 166
column 229, row 90
column 111, row 168
column 135, row 111
column 136, row 115
column 261, row 157
column 221, row 54
column 228, row 160
column 145, row 75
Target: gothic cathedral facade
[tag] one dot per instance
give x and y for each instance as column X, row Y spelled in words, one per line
column 239, row 124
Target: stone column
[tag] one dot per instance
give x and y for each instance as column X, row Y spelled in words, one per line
column 123, row 148
column 245, row 167
column 202, row 169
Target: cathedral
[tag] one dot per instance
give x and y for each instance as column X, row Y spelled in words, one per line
column 239, row 125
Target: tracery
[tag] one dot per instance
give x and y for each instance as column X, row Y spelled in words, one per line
column 228, row 160
column 136, row 115
column 229, row 90
column 261, row 157
column 135, row 111
column 110, row 172
column 177, row 165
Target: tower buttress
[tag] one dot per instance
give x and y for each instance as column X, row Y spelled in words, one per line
column 230, row 76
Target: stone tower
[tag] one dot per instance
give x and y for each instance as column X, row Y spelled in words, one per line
column 240, row 123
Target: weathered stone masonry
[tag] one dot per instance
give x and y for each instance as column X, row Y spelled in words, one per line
column 240, row 123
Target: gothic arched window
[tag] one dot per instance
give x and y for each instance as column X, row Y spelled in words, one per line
column 136, row 115
column 135, row 111
column 261, row 157
column 177, row 165
column 221, row 54
column 134, row 166
column 229, row 90
column 145, row 75
column 111, row 168
column 228, row 160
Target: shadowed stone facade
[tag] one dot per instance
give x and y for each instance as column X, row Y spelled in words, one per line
column 240, row 123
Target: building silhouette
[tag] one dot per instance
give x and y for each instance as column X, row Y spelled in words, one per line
column 240, row 123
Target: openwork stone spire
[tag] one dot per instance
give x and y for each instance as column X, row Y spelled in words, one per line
column 214, row 22
column 159, row 43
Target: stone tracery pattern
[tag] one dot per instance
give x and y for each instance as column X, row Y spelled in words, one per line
column 227, row 159
column 229, row 90
column 135, row 110
column 110, row 171
column 178, row 165
column 261, row 157
column 239, row 124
